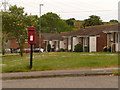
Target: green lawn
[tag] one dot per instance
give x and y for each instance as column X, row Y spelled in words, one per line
column 59, row 60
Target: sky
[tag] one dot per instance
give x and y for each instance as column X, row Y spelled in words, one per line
column 78, row 9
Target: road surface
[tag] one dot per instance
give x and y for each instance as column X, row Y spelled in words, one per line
column 64, row 82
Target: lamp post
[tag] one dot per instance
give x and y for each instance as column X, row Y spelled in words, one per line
column 40, row 35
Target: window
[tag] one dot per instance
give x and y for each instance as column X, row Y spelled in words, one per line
column 111, row 37
column 117, row 37
column 69, row 41
column 85, row 41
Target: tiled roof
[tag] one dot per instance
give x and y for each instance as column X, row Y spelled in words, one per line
column 94, row 30
column 47, row 36
column 88, row 31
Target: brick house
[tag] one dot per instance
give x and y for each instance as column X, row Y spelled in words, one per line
column 94, row 37
column 13, row 44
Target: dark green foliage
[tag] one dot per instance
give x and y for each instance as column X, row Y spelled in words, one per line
column 113, row 21
column 52, row 23
column 86, row 49
column 78, row 48
column 107, row 49
column 61, row 50
column 70, row 22
column 15, row 23
column 92, row 21
column 48, row 47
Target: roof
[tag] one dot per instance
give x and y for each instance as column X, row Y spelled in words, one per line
column 53, row 36
column 57, row 36
column 47, row 36
column 88, row 31
column 94, row 30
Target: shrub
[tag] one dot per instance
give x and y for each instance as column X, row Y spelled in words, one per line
column 107, row 49
column 48, row 47
column 61, row 50
column 86, row 49
column 78, row 48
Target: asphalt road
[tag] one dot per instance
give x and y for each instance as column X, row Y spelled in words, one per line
column 64, row 82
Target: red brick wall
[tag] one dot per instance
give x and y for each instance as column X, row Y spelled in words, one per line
column 14, row 44
column 101, row 41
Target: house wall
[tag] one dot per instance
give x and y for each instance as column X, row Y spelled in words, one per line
column 51, row 43
column 62, row 44
column 101, row 41
column 14, row 44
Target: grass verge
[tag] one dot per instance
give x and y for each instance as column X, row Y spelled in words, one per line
column 58, row 60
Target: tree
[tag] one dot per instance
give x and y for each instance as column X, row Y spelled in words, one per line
column 70, row 21
column 5, row 30
column 92, row 21
column 52, row 23
column 113, row 21
column 18, row 25
column 15, row 23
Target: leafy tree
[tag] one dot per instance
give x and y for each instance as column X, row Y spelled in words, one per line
column 70, row 21
column 52, row 23
column 15, row 23
column 18, row 25
column 113, row 21
column 92, row 21
column 6, row 21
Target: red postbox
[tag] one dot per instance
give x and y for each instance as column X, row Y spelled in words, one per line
column 32, row 35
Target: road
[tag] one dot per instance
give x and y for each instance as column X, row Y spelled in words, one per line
column 64, row 82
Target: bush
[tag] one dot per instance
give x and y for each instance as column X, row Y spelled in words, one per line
column 86, row 49
column 48, row 47
column 61, row 50
column 107, row 49
column 78, row 48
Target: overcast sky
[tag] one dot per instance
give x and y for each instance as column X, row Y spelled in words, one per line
column 78, row 9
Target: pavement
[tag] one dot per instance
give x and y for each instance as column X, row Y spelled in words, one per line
column 60, row 73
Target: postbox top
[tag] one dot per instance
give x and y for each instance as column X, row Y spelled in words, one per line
column 31, row 28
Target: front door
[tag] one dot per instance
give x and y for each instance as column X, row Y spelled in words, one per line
column 92, row 44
